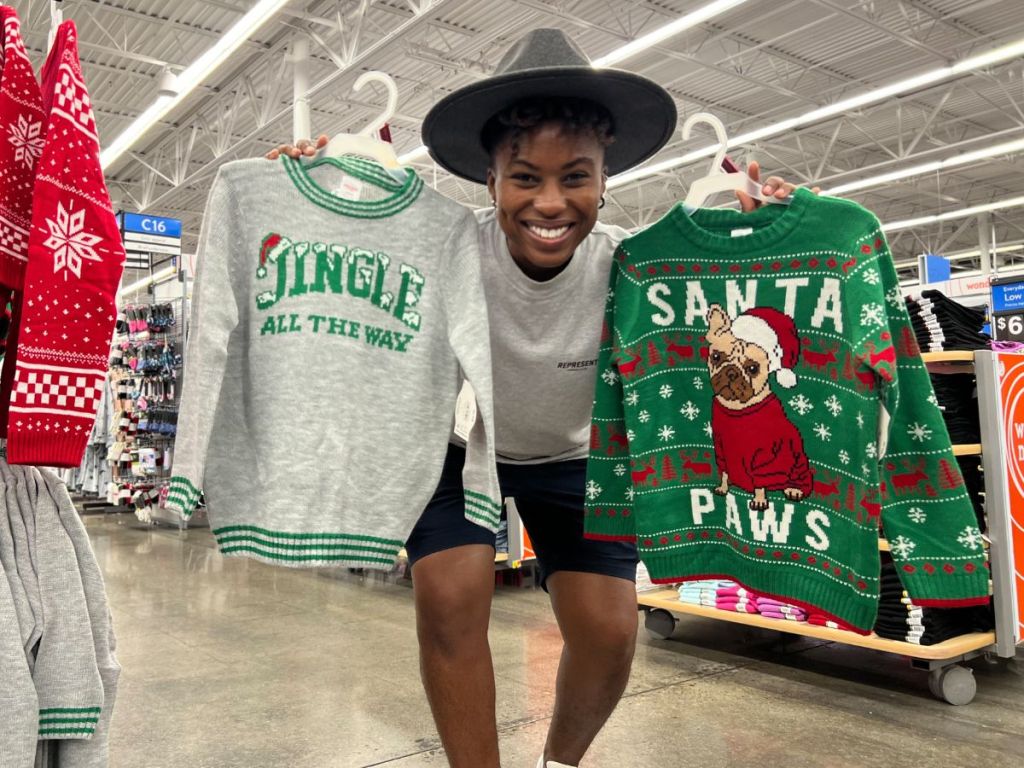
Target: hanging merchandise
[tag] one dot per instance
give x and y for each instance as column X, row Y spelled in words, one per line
column 943, row 324
column 329, row 325
column 57, row 646
column 74, row 267
column 761, row 403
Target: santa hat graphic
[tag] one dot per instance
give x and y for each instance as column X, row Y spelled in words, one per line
column 775, row 333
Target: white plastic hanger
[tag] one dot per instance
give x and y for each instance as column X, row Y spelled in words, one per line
column 363, row 143
column 717, row 180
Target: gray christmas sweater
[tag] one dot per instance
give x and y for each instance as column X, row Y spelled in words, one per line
column 330, row 331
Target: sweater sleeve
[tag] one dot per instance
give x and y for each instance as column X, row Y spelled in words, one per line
column 926, row 513
column 609, row 490
column 214, row 316
column 470, row 340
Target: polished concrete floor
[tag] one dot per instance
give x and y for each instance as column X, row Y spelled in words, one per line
column 232, row 663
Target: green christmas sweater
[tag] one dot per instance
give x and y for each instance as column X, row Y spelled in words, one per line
column 761, row 407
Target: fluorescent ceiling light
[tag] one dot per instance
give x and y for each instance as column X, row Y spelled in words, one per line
column 1006, row 148
column 198, row 71
column 995, row 56
column 962, row 213
column 668, row 30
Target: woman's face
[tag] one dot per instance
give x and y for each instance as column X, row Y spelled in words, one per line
column 546, row 188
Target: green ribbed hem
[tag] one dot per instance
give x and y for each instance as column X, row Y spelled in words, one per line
column 68, row 722
column 944, row 580
column 307, row 550
column 769, row 569
column 482, row 509
column 183, row 496
column 402, row 196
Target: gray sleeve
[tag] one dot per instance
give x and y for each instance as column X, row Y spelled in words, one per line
column 26, row 619
column 24, row 558
column 214, row 316
column 18, row 704
column 66, row 675
column 470, row 339
column 94, row 752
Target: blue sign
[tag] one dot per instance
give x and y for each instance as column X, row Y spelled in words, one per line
column 1007, row 296
column 150, row 225
column 935, row 268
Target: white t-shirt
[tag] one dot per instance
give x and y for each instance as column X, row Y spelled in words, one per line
column 544, row 342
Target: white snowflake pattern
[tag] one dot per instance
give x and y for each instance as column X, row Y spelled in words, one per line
column 933, row 399
column 917, row 514
column 865, row 470
column 690, row 410
column 860, row 420
column 630, row 435
column 665, row 391
column 644, row 416
column 894, row 297
column 698, row 382
column 971, row 538
column 823, row 432
column 70, row 242
column 611, row 294
column 871, row 450
column 630, row 494
column 666, row 433
column 633, row 398
column 833, row 405
column 872, row 314
column 707, row 429
column 919, row 432
column 901, row 546
column 620, row 469
column 801, row 404
column 27, row 139
column 870, row 276
column 609, row 376
column 844, row 457
column 593, row 490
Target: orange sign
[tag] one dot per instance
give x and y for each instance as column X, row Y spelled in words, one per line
column 1011, row 398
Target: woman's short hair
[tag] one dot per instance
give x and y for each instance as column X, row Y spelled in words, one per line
column 576, row 116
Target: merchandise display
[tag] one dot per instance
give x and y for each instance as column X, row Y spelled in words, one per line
column 940, row 323
column 758, row 484
column 380, row 291
column 55, row 372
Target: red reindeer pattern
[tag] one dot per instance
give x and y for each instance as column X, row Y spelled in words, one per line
column 697, row 467
column 908, row 482
column 616, row 441
column 824, row 490
column 639, row 477
column 629, row 369
column 678, row 352
column 819, row 360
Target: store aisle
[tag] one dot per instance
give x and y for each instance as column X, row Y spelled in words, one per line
column 233, row 663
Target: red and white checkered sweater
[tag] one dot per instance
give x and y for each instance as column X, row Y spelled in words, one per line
column 75, row 260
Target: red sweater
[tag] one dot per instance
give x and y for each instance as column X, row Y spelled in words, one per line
column 759, row 447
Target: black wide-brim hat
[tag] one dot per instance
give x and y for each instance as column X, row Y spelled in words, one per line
column 546, row 63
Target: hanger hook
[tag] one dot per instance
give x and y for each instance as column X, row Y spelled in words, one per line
column 392, row 104
column 720, row 133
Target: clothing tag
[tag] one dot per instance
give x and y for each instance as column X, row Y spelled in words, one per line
column 465, row 411
column 349, row 188
column 742, row 231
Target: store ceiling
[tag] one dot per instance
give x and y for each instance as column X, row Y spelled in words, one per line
column 763, row 62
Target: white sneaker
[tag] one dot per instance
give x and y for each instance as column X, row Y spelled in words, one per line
column 552, row 764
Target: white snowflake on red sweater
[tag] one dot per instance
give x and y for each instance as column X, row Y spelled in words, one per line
column 70, row 242
column 27, row 140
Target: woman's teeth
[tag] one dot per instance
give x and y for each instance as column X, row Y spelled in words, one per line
column 548, row 234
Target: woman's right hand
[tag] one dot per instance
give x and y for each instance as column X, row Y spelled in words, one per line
column 299, row 148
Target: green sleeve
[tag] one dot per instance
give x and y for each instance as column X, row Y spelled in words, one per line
column 926, row 512
column 609, row 508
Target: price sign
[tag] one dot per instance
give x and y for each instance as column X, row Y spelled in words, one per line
column 1008, row 326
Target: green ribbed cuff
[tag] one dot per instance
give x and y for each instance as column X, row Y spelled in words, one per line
column 68, row 722
column 482, row 509
column 183, row 496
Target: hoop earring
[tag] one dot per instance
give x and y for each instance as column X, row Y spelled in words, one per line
column 601, row 204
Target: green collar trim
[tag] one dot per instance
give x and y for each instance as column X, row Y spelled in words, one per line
column 403, row 194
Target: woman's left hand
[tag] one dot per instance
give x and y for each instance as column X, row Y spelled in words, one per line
column 775, row 186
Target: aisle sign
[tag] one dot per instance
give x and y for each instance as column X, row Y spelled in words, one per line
column 144, row 235
column 1011, row 402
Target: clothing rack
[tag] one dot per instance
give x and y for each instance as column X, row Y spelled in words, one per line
column 948, row 679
